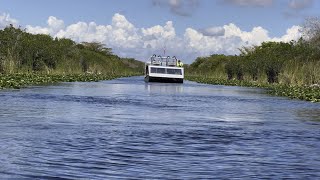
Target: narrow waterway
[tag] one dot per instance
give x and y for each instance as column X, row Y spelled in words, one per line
column 126, row 128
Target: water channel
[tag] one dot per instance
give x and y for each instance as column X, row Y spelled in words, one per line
column 128, row 129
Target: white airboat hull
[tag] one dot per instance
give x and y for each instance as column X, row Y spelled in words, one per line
column 164, row 69
column 163, row 79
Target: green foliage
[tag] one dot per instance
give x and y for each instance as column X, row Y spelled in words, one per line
column 308, row 93
column 21, row 80
column 22, row 52
column 235, row 68
column 295, row 63
column 27, row 59
column 213, row 65
column 288, row 69
column 96, row 47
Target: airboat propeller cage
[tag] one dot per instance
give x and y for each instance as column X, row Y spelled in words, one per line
column 163, row 69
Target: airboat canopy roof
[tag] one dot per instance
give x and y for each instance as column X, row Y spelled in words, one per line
column 163, row 61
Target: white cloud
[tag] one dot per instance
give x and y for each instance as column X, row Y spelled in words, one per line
column 256, row 36
column 129, row 41
column 6, row 20
column 293, row 33
column 232, row 39
column 157, row 37
column 166, row 32
column 124, row 34
column 54, row 26
column 37, row 30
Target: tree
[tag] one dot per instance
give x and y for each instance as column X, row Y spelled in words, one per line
column 311, row 30
column 97, row 47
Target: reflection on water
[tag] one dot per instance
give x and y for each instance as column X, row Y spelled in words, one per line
column 129, row 129
column 309, row 114
column 166, row 88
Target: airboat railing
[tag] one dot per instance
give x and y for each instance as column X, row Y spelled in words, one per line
column 164, row 61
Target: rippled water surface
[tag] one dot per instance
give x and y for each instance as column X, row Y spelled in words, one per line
column 126, row 128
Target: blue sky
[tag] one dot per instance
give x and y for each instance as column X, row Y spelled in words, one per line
column 186, row 28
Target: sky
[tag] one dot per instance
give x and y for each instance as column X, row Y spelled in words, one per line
column 186, row 29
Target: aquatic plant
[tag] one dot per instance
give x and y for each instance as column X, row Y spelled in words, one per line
column 21, row 80
column 308, row 93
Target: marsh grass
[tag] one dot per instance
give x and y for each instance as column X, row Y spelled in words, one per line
column 20, row 80
column 27, row 59
column 308, row 93
column 287, row 69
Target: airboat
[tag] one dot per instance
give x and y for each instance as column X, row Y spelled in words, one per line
column 164, row 69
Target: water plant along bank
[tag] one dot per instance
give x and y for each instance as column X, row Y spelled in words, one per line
column 32, row 59
column 288, row 69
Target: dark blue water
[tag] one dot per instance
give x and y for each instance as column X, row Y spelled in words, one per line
column 126, row 128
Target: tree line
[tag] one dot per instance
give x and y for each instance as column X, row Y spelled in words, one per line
column 290, row 63
column 22, row 52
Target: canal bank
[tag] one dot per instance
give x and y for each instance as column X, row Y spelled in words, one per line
column 308, row 93
column 20, row 80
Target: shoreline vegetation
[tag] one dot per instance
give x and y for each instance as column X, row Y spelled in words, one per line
column 308, row 93
column 31, row 59
column 286, row 69
column 18, row 81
